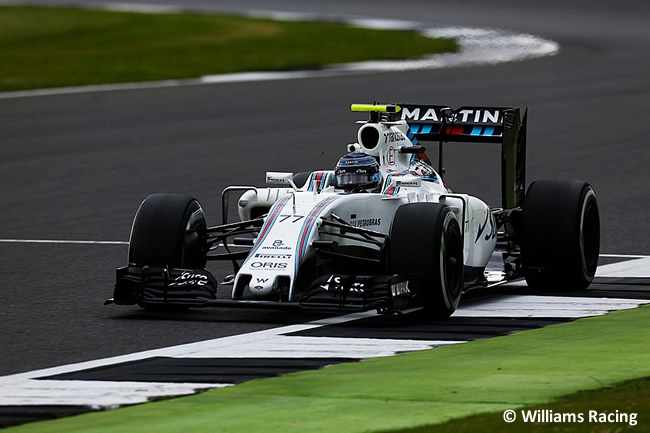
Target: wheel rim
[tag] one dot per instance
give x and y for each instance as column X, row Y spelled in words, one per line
column 451, row 261
column 193, row 254
column 590, row 234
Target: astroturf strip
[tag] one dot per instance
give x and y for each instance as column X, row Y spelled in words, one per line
column 45, row 47
column 419, row 388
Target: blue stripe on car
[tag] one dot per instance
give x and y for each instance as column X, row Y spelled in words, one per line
column 274, row 213
column 307, row 228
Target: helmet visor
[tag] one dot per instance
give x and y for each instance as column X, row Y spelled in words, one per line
column 352, row 179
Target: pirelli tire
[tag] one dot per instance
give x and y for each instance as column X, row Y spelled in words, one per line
column 426, row 240
column 168, row 230
column 560, row 239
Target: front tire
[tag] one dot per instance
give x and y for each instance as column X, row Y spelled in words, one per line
column 425, row 239
column 560, row 240
column 168, row 230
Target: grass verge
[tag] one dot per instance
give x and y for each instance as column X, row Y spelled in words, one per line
column 410, row 390
column 631, row 400
column 53, row 47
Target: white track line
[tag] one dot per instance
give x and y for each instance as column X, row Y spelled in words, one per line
column 61, row 241
column 91, row 242
column 24, row 389
column 623, row 256
column 637, row 268
column 283, row 346
column 518, row 306
column 187, row 350
column 95, row 394
column 477, row 47
column 137, row 8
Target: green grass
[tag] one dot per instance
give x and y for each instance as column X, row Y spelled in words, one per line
column 425, row 388
column 631, row 397
column 44, row 47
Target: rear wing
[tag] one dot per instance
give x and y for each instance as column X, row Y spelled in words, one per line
column 503, row 125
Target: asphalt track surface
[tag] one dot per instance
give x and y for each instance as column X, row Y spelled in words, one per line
column 77, row 166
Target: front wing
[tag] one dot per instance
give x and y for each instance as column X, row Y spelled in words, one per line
column 174, row 287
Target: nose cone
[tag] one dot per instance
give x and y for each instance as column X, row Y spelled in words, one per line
column 261, row 286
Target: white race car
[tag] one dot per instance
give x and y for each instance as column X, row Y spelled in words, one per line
column 381, row 231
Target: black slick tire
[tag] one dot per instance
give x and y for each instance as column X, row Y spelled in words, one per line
column 425, row 240
column 168, row 230
column 560, row 239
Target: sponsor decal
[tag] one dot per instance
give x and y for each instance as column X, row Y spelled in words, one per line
column 481, row 228
column 408, row 182
column 401, row 288
column 493, row 231
column 491, row 234
column 277, row 245
column 393, row 136
column 415, row 114
column 365, row 222
column 189, row 279
column 268, row 266
column 334, row 284
column 281, row 178
column 463, row 116
column 272, row 256
column 262, row 280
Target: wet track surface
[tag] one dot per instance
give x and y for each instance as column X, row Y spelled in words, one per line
column 77, row 166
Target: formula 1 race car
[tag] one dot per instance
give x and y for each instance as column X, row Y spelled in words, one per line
column 381, row 231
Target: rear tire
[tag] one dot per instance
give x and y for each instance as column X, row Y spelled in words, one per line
column 168, row 230
column 560, row 239
column 425, row 239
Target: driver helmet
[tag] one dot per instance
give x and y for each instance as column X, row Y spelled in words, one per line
column 357, row 172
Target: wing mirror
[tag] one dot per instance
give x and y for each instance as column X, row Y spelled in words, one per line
column 282, row 178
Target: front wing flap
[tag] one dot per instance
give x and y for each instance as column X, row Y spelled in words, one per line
column 174, row 287
column 163, row 285
column 387, row 293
